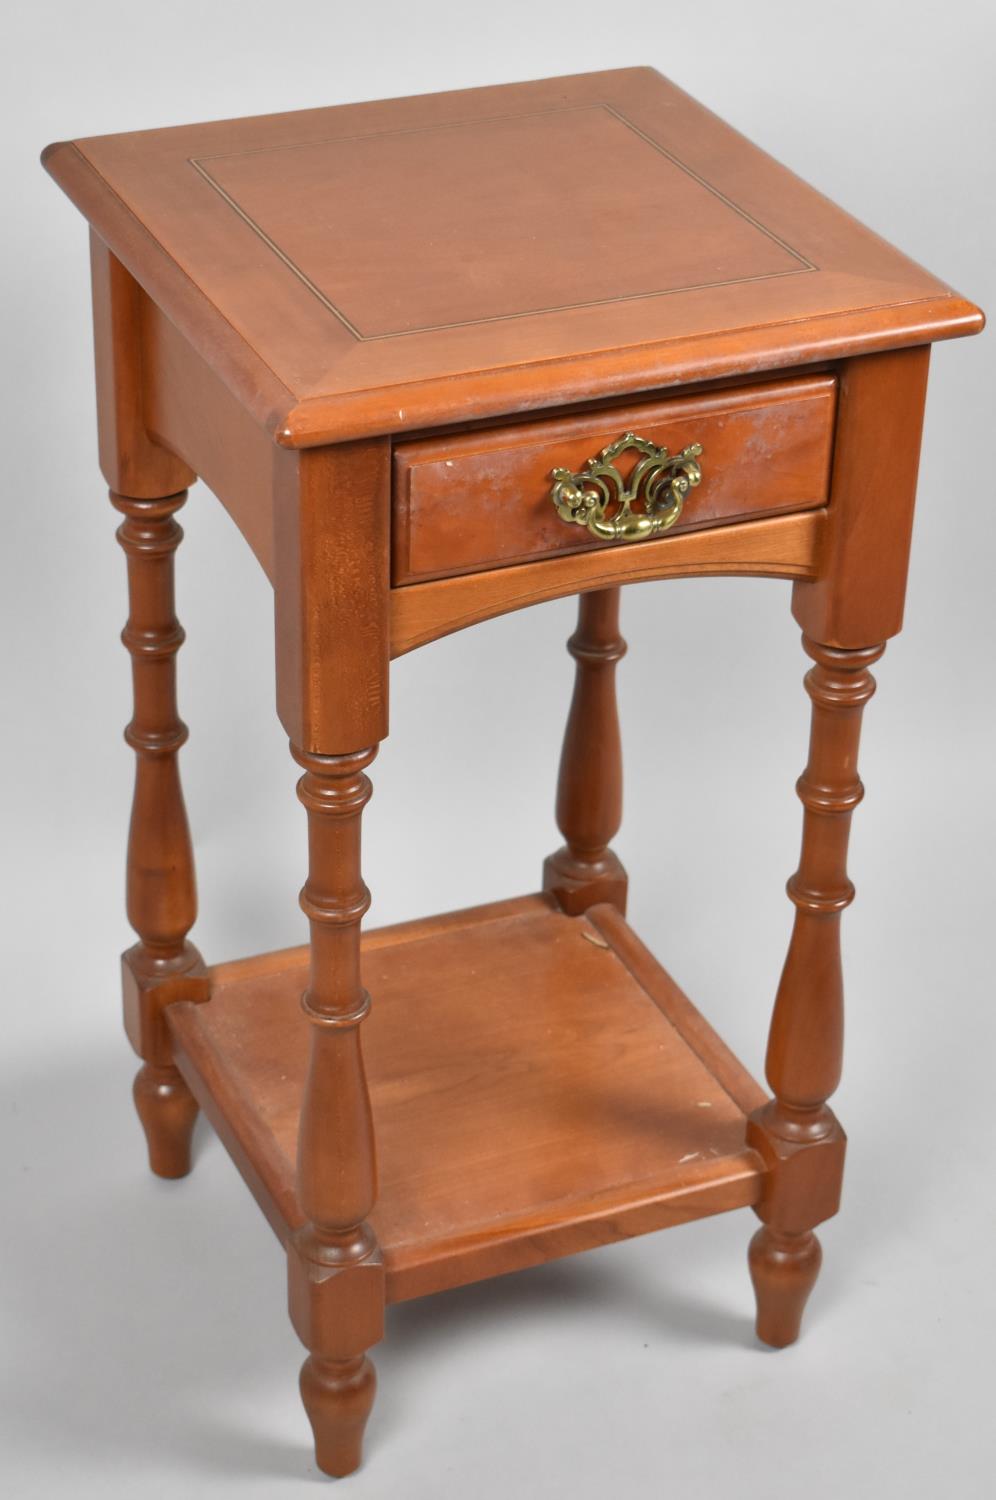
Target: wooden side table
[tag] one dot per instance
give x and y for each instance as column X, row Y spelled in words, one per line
column 441, row 358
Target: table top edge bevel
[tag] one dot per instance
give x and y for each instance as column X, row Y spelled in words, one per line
column 529, row 389
column 259, row 389
column 915, row 306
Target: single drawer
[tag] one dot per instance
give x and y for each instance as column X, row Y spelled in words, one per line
column 473, row 500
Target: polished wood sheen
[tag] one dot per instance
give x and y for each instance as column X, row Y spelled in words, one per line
column 781, row 547
column 336, row 1274
column 161, row 891
column 796, row 1132
column 576, row 1098
column 586, row 871
column 480, row 499
column 726, row 263
column 132, row 462
column 374, row 331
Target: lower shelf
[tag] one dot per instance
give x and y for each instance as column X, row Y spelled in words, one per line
column 539, row 1086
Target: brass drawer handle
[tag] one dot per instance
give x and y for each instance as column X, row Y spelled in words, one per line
column 660, row 480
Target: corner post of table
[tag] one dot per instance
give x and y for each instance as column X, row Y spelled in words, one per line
column 847, row 614
column 589, row 784
column 332, row 512
column 148, row 486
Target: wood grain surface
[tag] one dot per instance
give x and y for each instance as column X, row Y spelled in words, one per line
column 374, row 329
column 586, row 871
column 538, row 1084
column 468, row 501
column 776, row 547
column 299, row 253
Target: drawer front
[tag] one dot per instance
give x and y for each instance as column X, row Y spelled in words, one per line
column 481, row 499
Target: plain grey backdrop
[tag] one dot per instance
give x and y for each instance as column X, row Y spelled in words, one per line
column 146, row 1347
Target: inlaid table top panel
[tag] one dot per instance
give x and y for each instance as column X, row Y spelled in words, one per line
column 380, row 267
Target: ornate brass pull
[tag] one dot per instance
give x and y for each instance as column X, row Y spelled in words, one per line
column 599, row 498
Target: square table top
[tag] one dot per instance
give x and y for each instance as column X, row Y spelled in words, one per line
column 374, row 268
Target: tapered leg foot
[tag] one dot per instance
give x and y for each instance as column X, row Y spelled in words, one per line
column 338, row 1396
column 783, row 1268
column 168, row 1111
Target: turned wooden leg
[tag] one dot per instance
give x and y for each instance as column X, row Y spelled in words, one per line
column 796, row 1132
column 168, row 1112
column 589, row 787
column 161, row 892
column 783, row 1268
column 336, row 1276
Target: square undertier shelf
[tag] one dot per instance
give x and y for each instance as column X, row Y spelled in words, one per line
column 539, row 1086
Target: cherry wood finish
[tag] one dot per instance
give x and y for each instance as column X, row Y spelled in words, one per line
column 189, row 410
column 378, row 397
column 336, row 1273
column 573, row 1097
column 780, row 547
column 589, row 787
column 859, row 590
column 796, row 1132
column 329, row 331
column 332, row 561
column 130, row 459
column 161, row 890
column 481, row 499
